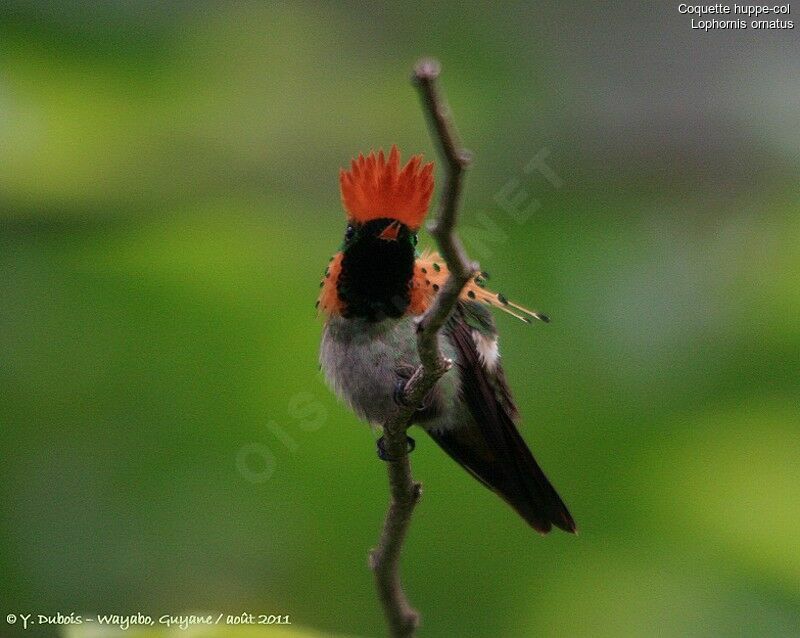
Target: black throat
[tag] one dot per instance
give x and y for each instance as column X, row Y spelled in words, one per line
column 376, row 273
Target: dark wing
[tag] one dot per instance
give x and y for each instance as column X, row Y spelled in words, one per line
column 491, row 448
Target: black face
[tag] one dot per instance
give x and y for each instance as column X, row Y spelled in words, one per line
column 377, row 267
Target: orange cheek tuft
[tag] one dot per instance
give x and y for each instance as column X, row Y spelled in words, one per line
column 329, row 301
column 423, row 287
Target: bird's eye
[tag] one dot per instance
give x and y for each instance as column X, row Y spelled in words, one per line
column 349, row 233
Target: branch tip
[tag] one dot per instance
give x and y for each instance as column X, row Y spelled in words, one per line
column 427, row 69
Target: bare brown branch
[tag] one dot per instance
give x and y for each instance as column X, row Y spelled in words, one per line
column 404, row 492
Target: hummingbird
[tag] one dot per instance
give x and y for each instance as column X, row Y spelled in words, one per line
column 375, row 288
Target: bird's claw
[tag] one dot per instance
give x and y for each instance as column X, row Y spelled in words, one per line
column 383, row 456
column 399, row 394
column 400, row 398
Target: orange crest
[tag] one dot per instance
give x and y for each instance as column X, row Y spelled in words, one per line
column 375, row 187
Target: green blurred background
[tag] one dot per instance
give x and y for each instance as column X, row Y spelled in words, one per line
column 169, row 199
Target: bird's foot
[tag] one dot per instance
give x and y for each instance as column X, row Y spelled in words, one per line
column 399, row 394
column 383, row 456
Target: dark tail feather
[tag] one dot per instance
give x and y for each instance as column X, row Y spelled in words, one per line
column 510, row 471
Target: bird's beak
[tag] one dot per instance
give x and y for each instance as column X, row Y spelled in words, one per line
column 391, row 232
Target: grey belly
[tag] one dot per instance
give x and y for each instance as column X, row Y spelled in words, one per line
column 363, row 362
